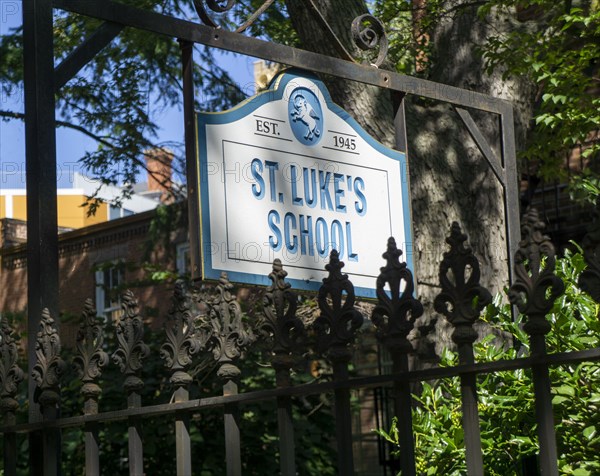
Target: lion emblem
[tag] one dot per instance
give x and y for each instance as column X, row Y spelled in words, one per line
column 305, row 113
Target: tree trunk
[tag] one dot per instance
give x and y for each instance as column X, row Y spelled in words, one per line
column 449, row 179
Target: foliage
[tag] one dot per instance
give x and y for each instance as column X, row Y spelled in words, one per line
column 118, row 97
column 258, row 421
column 506, row 403
column 556, row 45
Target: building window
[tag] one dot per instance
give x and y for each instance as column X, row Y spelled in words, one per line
column 184, row 265
column 110, row 278
column 118, row 212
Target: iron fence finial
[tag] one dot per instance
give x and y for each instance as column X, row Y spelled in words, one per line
column 11, row 375
column 90, row 358
column 284, row 329
column 182, row 339
column 49, row 367
column 338, row 323
column 132, row 350
column 536, row 286
column 462, row 298
column 395, row 314
column 226, row 334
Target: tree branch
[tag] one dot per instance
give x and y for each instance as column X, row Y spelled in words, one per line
column 7, row 115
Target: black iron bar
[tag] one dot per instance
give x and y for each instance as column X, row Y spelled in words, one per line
column 403, row 411
column 182, row 435
column 512, row 205
column 136, row 449
column 191, row 165
column 313, row 389
column 10, row 446
column 92, row 446
column 287, row 448
column 343, row 420
column 42, row 240
column 399, row 353
column 482, row 144
column 219, row 38
column 85, row 52
column 92, row 450
column 231, row 420
column 51, row 444
column 285, row 424
column 543, row 410
column 470, row 413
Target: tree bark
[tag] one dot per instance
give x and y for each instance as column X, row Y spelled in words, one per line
column 449, row 178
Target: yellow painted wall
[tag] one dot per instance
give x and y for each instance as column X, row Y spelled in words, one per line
column 20, row 207
column 100, row 216
column 70, row 212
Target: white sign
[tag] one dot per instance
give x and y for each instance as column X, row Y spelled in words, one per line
column 288, row 174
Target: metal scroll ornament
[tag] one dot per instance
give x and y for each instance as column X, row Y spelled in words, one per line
column 338, row 322
column 224, row 6
column 369, row 34
column 227, row 333
column 280, row 323
column 536, row 286
column 395, row 314
column 11, row 374
column 90, row 357
column 182, row 339
column 462, row 298
column 49, row 367
column 132, row 350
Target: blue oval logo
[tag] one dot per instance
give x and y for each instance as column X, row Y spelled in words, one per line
column 306, row 116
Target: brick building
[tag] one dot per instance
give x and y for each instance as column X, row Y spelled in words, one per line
column 98, row 262
column 122, row 246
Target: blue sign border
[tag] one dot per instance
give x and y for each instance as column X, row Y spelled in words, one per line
column 247, row 107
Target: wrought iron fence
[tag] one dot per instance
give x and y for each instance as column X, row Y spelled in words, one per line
column 209, row 323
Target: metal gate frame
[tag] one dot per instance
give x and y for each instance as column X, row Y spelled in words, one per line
column 42, row 79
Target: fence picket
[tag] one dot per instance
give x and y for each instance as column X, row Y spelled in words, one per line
column 129, row 355
column 394, row 316
column 336, row 329
column 227, row 336
column 11, row 376
column 461, row 301
column 534, row 292
column 89, row 362
column 287, row 336
column 47, row 374
column 181, row 344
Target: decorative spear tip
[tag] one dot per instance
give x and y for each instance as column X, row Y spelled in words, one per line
column 46, row 316
column 277, row 266
column 128, row 297
column 277, row 276
column 88, row 305
column 392, row 254
column 531, row 219
column 457, row 237
column 334, row 261
column 180, row 288
column 334, row 266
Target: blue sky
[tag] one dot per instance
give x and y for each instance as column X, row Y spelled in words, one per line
column 71, row 145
